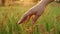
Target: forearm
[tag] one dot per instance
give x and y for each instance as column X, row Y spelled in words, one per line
column 44, row 2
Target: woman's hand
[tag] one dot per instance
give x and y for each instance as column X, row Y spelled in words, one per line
column 36, row 11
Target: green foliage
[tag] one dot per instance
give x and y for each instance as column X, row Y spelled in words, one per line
column 11, row 14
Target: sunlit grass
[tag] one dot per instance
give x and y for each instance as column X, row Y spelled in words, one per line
column 48, row 22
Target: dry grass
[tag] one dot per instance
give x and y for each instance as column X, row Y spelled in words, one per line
column 48, row 23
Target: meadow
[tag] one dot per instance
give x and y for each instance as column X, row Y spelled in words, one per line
column 48, row 23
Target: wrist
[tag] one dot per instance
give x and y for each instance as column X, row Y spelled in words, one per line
column 45, row 2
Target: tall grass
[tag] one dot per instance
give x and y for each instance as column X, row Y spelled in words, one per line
column 48, row 23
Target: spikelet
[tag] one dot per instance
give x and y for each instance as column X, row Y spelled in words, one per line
column 42, row 29
column 52, row 31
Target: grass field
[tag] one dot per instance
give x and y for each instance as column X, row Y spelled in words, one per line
column 48, row 23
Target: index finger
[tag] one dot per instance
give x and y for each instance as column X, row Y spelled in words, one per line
column 23, row 18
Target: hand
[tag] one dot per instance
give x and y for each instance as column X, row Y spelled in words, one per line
column 36, row 10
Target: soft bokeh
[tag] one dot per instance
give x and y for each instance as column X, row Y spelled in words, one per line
column 12, row 10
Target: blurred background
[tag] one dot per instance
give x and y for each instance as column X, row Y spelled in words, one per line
column 12, row 2
column 12, row 10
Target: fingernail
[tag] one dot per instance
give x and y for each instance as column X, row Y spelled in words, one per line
column 19, row 22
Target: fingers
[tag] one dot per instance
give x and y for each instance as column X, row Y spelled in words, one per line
column 25, row 17
column 35, row 18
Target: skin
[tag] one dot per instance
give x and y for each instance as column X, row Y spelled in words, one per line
column 36, row 10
